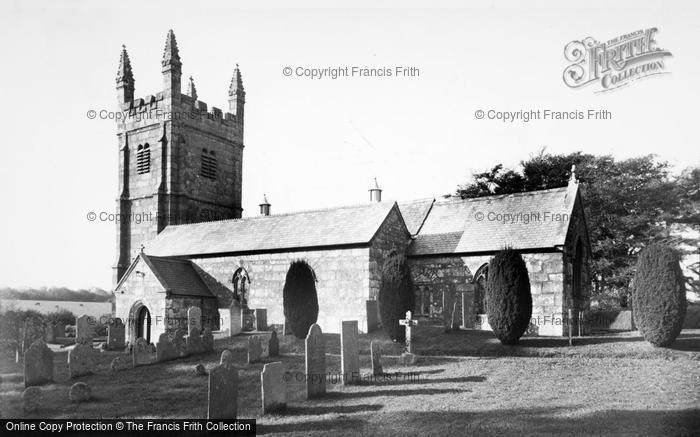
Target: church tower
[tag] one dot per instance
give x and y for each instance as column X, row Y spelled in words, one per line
column 179, row 161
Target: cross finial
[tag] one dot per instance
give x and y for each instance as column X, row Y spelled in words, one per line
column 572, row 178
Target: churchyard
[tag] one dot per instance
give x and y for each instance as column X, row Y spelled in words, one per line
column 462, row 381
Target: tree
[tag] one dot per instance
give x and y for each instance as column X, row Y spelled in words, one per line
column 508, row 298
column 299, row 298
column 658, row 300
column 628, row 204
column 395, row 296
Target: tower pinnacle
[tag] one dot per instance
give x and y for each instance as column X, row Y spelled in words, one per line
column 125, row 78
column 191, row 89
column 171, row 55
column 236, row 95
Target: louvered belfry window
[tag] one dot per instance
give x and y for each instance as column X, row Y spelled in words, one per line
column 208, row 164
column 143, row 159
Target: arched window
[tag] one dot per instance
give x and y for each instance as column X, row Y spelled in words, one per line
column 480, row 289
column 241, row 286
column 209, row 168
column 143, row 159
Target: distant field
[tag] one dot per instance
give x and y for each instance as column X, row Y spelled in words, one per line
column 94, row 309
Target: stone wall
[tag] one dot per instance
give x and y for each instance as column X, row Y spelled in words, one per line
column 392, row 236
column 343, row 284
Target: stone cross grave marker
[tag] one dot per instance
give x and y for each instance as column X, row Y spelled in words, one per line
column 408, row 322
column 222, row 398
column 315, row 363
column 273, row 345
column 349, row 354
column 254, row 349
column 273, row 387
column 116, row 334
column 38, row 364
column 194, row 320
column 376, row 352
column 84, row 330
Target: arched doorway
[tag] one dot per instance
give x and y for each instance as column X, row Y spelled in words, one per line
column 143, row 324
column 480, row 310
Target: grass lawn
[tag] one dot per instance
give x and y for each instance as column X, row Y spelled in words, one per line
column 465, row 383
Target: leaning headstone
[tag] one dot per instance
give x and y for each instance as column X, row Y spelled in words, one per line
column 273, row 345
column 349, row 354
column 165, row 349
column 193, row 342
column 122, row 362
column 194, row 319
column 59, row 330
column 315, row 363
column 226, row 357
column 31, row 399
column 254, row 349
column 261, row 319
column 140, row 353
column 273, row 387
column 376, row 352
column 115, row 334
column 180, row 343
column 207, row 340
column 38, row 364
column 79, row 392
column 84, row 330
column 222, row 398
column 236, row 317
column 81, row 360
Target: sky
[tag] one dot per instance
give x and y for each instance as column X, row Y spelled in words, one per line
column 316, row 143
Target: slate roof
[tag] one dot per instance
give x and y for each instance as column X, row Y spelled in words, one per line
column 415, row 212
column 452, row 225
column 306, row 229
column 177, row 276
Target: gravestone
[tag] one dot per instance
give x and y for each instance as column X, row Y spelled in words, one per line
column 38, row 364
column 59, row 330
column 165, row 349
column 254, row 349
column 141, row 353
column 376, row 353
column 408, row 358
column 236, row 318
column 273, row 387
column 372, row 315
column 200, row 370
column 287, row 328
column 79, row 392
column 222, row 398
column 122, row 362
column 31, row 332
column 50, row 335
column 261, row 319
column 207, row 340
column 84, row 330
column 273, row 345
column 194, row 319
column 81, row 360
column 116, row 334
column 31, row 399
column 180, row 343
column 349, row 354
column 315, row 363
column 193, row 342
column 226, row 357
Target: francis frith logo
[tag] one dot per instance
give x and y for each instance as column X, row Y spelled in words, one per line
column 615, row 63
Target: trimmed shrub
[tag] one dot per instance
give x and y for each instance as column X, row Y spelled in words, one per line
column 508, row 298
column 299, row 298
column 658, row 298
column 61, row 316
column 395, row 296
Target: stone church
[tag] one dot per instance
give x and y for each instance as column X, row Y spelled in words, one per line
column 180, row 162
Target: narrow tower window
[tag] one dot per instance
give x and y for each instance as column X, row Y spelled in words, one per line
column 143, row 159
column 208, row 169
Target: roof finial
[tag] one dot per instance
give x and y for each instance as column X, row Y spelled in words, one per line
column 191, row 89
